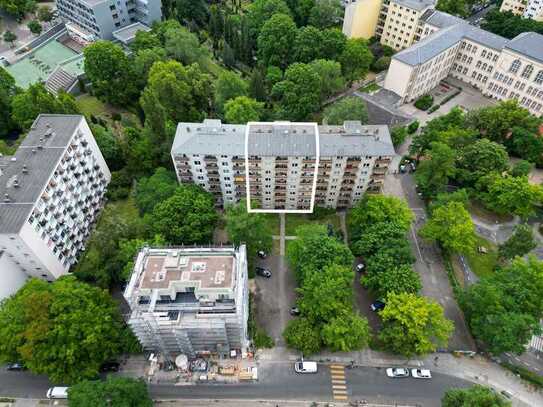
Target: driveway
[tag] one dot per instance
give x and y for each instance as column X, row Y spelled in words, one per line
column 276, row 295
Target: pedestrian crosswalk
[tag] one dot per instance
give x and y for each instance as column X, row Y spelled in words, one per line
column 339, row 385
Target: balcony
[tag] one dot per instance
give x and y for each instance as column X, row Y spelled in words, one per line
column 383, row 161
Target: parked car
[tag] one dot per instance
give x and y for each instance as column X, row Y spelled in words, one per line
column 261, row 271
column 261, row 254
column 305, row 367
column 295, row 311
column 16, row 366
column 57, row 393
column 110, row 367
column 421, row 373
column 397, row 372
column 378, row 305
column 360, row 267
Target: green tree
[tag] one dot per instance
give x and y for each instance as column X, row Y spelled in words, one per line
column 299, row 93
column 413, row 325
column 216, row 24
column 452, row 227
column 307, row 45
column 8, row 90
column 521, row 168
column 481, row 158
column 275, row 41
column 9, row 37
column 476, row 395
column 329, row 73
column 375, row 237
column 509, row 195
column 192, row 11
column 143, row 61
column 374, row 209
column 326, row 13
column 155, row 189
column 243, row 110
column 261, row 11
column 109, row 147
column 257, row 90
column 228, row 86
column 302, row 335
column 174, row 93
column 301, row 10
column 248, row 228
column 109, row 70
column 187, row 217
column 139, row 151
column 398, row 279
column 65, row 330
column 509, row 25
column 346, row 332
column 526, row 144
column 434, row 172
column 520, row 243
column 17, row 8
column 398, row 135
column 355, row 59
column 349, row 108
column 333, row 44
column 184, row 46
column 314, row 250
column 145, row 40
column 455, row 7
column 27, row 105
column 44, row 14
column 35, row 27
column 115, row 391
column 381, row 64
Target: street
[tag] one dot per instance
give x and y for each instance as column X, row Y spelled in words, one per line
column 277, row 381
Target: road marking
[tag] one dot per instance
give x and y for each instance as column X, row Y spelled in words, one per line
column 340, row 398
column 339, row 385
column 337, row 381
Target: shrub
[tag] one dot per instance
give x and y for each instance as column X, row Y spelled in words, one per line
column 381, row 64
column 424, row 102
column 413, row 127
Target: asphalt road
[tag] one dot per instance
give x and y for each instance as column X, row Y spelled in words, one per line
column 277, row 381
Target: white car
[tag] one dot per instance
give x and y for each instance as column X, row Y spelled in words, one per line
column 421, row 373
column 305, row 367
column 397, row 372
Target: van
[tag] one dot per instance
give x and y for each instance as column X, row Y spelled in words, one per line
column 305, row 367
column 57, row 393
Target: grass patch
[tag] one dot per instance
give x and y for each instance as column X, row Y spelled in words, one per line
column 293, row 221
column 483, row 264
column 372, row 87
column 476, row 208
column 258, row 335
column 272, row 223
column 90, row 105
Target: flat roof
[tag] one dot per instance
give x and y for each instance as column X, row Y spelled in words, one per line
column 418, row 5
column 128, row 33
column 207, row 269
column 282, row 139
column 32, row 166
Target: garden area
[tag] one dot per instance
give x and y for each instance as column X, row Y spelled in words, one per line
column 484, row 260
column 324, row 217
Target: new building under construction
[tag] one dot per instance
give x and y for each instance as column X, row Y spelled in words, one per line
column 192, row 301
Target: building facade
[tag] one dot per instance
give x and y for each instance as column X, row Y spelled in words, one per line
column 527, row 8
column 52, row 191
column 100, row 18
column 361, row 18
column 498, row 67
column 283, row 166
column 191, row 301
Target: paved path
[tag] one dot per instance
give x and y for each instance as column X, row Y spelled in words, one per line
column 343, row 227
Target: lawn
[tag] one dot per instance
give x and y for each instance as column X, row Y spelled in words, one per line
column 272, row 222
column 372, row 87
column 89, row 105
column 483, row 264
column 295, row 220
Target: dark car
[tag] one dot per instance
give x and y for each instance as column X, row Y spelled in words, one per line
column 110, row 367
column 377, row 306
column 360, row 267
column 295, row 311
column 15, row 367
column 261, row 271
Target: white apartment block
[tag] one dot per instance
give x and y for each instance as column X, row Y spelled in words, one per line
column 191, row 301
column 500, row 68
column 100, row 18
column 527, row 8
column 283, row 166
column 51, row 192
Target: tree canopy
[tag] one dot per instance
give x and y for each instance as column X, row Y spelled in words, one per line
column 243, row 109
column 476, row 395
column 154, row 189
column 349, row 108
column 520, row 243
column 114, row 391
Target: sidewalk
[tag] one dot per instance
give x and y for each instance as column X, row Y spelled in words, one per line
column 474, row 369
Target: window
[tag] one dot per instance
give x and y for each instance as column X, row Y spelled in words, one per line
column 515, row 66
column 527, row 71
column 539, row 78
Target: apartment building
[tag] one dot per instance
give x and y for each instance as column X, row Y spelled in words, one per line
column 361, row 18
column 52, row 191
column 283, row 166
column 191, row 301
column 100, row 18
column 449, row 46
column 527, row 8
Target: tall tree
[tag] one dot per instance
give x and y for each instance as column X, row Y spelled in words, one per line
column 520, row 243
column 302, row 335
column 349, row 108
column 332, row 81
column 307, row 45
column 346, row 332
column 187, row 217
column 374, row 209
column 192, row 11
column 298, row 93
column 228, row 86
column 435, row 171
column 243, row 110
column 152, row 190
column 476, row 395
column 301, row 10
column 481, row 158
column 8, row 89
column 397, row 279
column 455, row 7
column 65, row 330
column 355, row 59
column 18, row 8
column 326, row 13
column 108, row 69
column 413, row 325
column 451, row 225
column 333, row 43
column 184, row 46
column 260, row 11
column 115, row 391
column 275, row 41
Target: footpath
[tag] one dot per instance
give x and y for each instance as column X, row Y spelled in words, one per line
column 476, row 369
